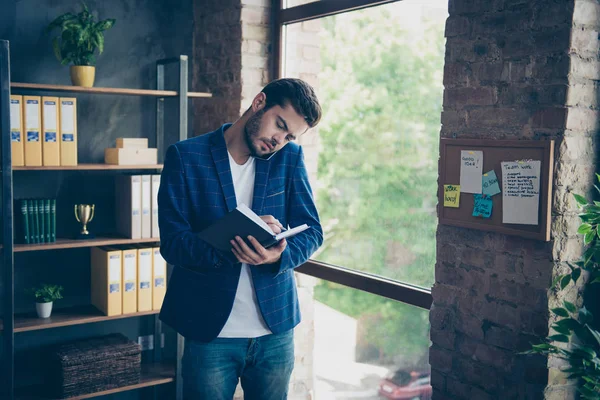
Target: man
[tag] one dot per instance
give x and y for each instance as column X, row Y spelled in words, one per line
column 237, row 310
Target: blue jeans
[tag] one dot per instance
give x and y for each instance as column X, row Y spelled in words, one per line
column 211, row 371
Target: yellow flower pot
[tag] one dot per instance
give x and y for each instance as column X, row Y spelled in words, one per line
column 83, row 75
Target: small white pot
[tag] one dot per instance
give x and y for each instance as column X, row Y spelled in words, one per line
column 43, row 309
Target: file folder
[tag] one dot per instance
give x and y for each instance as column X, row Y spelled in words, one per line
column 129, row 280
column 16, row 131
column 144, row 259
column 106, row 278
column 159, row 278
column 146, row 207
column 128, row 193
column 33, row 126
column 155, row 187
column 68, row 131
column 50, row 134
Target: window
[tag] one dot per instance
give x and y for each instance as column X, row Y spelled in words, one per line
column 379, row 345
column 373, row 159
column 377, row 67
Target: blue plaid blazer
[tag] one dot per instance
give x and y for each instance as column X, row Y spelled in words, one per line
column 196, row 188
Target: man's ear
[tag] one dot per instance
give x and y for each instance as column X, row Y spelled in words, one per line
column 259, row 102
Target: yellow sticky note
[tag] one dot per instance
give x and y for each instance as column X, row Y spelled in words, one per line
column 451, row 195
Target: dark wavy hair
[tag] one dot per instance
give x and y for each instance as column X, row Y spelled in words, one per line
column 296, row 92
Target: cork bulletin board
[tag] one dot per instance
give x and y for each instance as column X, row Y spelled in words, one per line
column 468, row 195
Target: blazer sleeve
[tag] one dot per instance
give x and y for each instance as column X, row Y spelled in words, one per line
column 301, row 210
column 179, row 245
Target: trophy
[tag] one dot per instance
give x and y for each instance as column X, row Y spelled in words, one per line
column 84, row 213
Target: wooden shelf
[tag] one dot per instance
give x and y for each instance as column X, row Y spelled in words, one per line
column 151, row 375
column 71, row 243
column 81, row 167
column 67, row 317
column 103, row 90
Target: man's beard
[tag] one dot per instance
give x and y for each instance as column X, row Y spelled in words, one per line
column 251, row 130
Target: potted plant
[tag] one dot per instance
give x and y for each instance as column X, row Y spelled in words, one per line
column 44, row 296
column 576, row 338
column 79, row 38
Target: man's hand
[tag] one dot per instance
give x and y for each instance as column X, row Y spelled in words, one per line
column 273, row 223
column 259, row 255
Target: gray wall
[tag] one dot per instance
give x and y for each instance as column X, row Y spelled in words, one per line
column 145, row 30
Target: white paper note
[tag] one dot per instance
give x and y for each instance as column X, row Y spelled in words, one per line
column 67, row 120
column 159, row 264
column 114, row 269
column 130, row 268
column 471, row 170
column 15, row 115
column 145, row 263
column 521, row 192
column 50, row 116
column 32, row 122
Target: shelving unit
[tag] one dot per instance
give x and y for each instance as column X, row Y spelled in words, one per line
column 67, row 317
column 89, row 167
column 153, row 373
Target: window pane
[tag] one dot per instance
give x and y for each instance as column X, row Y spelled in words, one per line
column 366, row 346
column 294, row 3
column 373, row 158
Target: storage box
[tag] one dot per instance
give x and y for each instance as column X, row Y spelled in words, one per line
column 127, row 156
column 95, row 364
column 132, row 143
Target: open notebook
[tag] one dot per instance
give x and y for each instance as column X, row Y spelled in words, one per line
column 244, row 222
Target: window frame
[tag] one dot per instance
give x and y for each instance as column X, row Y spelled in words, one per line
column 381, row 286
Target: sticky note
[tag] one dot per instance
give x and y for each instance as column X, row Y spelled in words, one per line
column 451, row 195
column 482, row 206
column 490, row 183
column 471, row 169
column 521, row 192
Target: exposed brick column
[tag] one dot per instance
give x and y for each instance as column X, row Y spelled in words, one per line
column 510, row 74
column 217, row 62
column 231, row 59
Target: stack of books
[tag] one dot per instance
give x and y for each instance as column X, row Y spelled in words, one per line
column 37, row 221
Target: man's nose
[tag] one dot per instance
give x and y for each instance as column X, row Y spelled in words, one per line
column 278, row 139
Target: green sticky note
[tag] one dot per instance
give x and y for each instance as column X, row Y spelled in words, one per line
column 483, row 206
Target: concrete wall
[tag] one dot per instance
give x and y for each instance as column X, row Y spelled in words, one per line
column 145, row 30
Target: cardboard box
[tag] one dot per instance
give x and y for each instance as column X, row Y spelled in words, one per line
column 127, row 156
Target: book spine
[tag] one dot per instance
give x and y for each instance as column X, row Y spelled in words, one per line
column 30, row 218
column 25, row 219
column 42, row 219
column 47, row 216
column 36, row 222
column 53, row 219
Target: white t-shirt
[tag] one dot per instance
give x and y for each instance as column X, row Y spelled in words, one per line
column 245, row 320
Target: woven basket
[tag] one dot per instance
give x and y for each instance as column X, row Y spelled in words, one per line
column 93, row 365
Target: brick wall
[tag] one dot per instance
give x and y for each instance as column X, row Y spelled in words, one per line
column 512, row 71
column 231, row 59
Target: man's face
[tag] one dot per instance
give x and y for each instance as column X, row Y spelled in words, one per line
column 268, row 131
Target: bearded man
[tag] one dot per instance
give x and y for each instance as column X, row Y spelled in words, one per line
column 237, row 310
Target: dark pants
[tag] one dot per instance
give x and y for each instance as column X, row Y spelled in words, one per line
column 211, row 371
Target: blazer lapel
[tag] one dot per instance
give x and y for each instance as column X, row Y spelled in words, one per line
column 221, row 159
column 260, row 184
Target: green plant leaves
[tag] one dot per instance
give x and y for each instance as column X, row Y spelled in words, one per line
column 584, row 228
column 580, row 199
column 79, row 38
column 561, row 312
column 565, row 280
column 570, row 306
column 585, row 316
column 559, row 338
